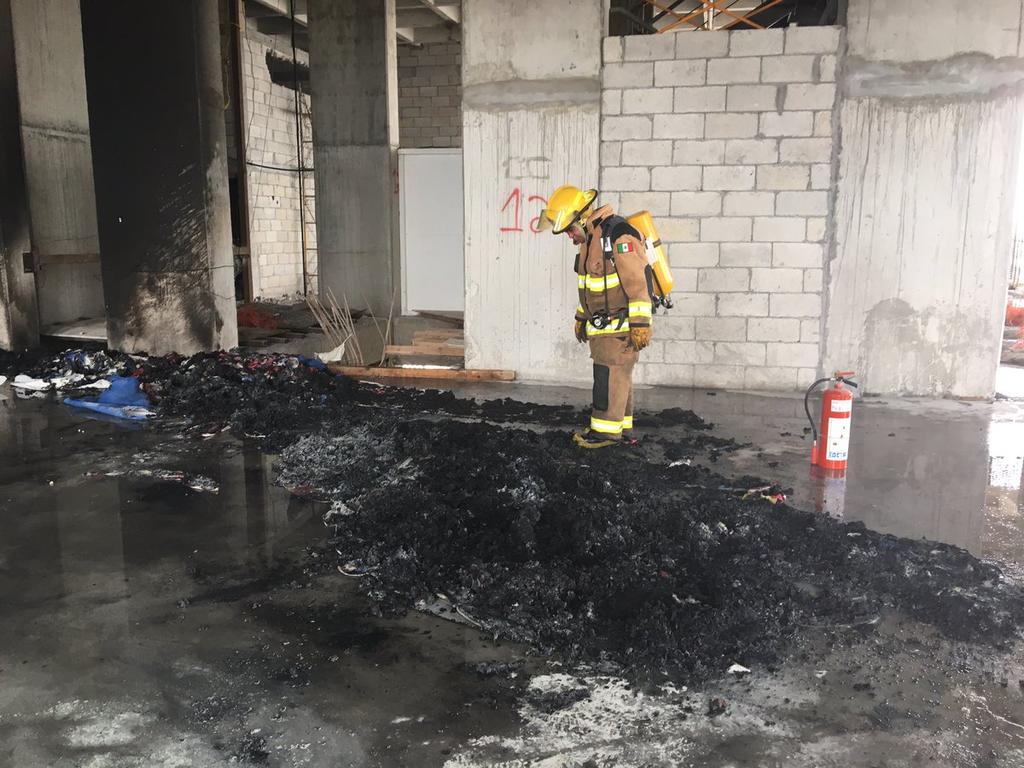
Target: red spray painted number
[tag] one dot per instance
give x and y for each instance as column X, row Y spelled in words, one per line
column 515, row 200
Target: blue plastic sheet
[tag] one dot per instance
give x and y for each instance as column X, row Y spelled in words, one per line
column 312, row 362
column 123, row 399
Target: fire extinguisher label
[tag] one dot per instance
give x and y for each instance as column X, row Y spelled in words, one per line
column 838, row 447
column 842, row 406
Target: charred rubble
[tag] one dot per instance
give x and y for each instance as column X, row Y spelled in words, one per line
column 612, row 558
column 626, row 558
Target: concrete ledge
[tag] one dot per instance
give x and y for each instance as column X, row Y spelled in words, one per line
column 970, row 76
column 531, row 94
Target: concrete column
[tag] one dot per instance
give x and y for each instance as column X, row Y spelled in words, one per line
column 156, row 113
column 19, row 321
column 58, row 159
column 930, row 134
column 353, row 71
column 531, row 122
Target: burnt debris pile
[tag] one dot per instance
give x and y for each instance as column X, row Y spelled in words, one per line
column 608, row 557
column 276, row 398
column 634, row 556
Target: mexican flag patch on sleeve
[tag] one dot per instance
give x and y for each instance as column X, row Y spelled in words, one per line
column 624, row 248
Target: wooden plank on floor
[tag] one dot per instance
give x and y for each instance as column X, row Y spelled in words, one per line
column 425, row 350
column 437, row 335
column 455, row 374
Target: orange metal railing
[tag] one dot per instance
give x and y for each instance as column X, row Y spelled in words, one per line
column 703, row 18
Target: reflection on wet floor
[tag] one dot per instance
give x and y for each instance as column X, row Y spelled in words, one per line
column 921, row 469
column 1010, row 382
column 76, row 523
column 143, row 623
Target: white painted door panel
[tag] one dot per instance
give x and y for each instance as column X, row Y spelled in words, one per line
column 433, row 272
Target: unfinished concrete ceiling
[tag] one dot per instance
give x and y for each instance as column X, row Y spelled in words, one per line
column 428, row 21
column 418, row 21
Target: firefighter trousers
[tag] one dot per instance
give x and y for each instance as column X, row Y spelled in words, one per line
column 614, row 358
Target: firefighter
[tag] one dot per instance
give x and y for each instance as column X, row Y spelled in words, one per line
column 614, row 310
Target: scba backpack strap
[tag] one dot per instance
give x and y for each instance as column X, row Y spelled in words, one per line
column 616, row 226
column 612, row 229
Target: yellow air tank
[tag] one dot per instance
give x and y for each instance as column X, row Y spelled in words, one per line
column 663, row 281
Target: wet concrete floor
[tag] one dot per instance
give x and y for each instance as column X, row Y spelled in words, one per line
column 146, row 623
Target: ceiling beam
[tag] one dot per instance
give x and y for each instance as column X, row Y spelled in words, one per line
column 422, row 35
column 448, row 11
column 279, row 25
column 418, row 17
column 283, row 8
column 257, row 11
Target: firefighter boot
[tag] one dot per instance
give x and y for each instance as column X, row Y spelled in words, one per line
column 588, row 438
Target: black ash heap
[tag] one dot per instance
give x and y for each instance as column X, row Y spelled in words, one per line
column 622, row 557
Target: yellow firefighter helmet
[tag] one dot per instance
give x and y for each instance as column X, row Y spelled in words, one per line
column 566, row 206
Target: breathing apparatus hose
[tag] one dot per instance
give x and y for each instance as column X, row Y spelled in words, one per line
column 807, row 406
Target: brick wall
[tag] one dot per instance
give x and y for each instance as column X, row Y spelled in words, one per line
column 430, row 95
column 274, row 217
column 727, row 138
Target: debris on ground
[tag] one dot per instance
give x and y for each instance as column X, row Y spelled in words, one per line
column 143, row 466
column 548, row 701
column 256, row 316
column 200, row 483
column 122, row 398
column 616, row 559
column 717, row 706
column 35, row 371
column 497, row 668
column 21, row 381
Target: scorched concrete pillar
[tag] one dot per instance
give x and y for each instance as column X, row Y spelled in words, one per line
column 156, row 111
column 353, row 68
column 19, row 319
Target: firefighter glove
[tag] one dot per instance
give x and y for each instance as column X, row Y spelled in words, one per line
column 641, row 337
column 581, row 331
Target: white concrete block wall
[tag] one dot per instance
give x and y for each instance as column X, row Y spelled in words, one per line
column 727, row 138
column 430, row 95
column 274, row 219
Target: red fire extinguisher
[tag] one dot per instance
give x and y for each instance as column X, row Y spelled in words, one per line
column 833, row 449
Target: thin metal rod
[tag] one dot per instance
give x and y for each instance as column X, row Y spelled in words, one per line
column 298, row 153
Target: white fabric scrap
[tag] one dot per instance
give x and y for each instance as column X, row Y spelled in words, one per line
column 21, row 381
column 738, row 669
column 98, row 384
column 65, row 382
column 333, row 356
